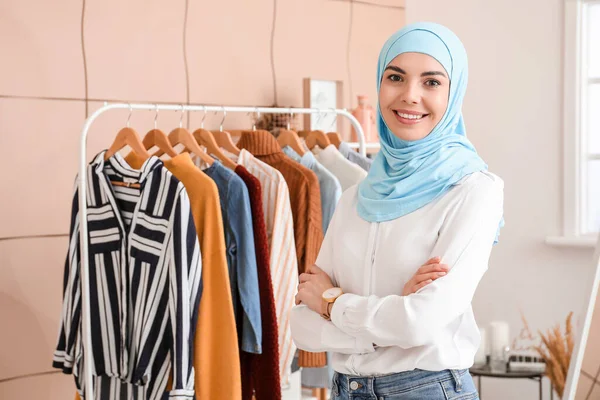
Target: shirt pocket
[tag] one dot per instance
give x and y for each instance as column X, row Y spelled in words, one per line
column 147, row 239
column 103, row 230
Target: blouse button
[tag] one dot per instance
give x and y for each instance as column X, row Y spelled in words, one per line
column 353, row 385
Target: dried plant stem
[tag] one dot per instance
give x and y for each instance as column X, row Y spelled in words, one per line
column 556, row 350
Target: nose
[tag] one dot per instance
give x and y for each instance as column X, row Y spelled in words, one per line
column 411, row 94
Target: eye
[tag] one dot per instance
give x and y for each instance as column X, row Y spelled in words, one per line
column 394, row 77
column 432, row 83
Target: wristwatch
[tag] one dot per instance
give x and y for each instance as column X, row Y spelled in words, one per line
column 329, row 297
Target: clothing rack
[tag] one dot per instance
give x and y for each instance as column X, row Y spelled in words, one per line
column 85, row 294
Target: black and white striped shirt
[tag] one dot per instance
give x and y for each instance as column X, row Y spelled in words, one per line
column 145, row 284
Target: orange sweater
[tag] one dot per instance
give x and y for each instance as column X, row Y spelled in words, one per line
column 216, row 353
column 305, row 200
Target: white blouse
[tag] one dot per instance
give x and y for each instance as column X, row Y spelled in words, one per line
column 376, row 331
column 346, row 171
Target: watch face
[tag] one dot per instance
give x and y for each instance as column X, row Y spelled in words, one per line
column 332, row 292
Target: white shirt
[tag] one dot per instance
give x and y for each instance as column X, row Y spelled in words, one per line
column 348, row 173
column 376, row 331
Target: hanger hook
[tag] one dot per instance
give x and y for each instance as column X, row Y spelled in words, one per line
column 216, row 112
column 334, row 118
column 156, row 115
column 223, row 120
column 203, row 118
column 290, row 118
column 257, row 118
column 130, row 112
column 181, row 118
column 319, row 116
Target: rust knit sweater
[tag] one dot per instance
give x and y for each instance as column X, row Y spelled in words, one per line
column 305, row 200
column 260, row 372
column 305, row 197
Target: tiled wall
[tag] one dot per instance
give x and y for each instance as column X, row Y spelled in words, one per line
column 134, row 51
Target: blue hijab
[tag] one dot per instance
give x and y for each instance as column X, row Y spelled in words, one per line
column 407, row 175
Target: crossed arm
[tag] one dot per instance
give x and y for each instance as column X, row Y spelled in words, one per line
column 357, row 322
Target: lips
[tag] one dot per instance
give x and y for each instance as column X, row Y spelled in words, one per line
column 409, row 117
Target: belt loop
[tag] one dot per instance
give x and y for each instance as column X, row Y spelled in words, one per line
column 457, row 382
column 335, row 387
column 347, row 382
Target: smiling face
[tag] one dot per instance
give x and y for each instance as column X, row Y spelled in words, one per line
column 413, row 95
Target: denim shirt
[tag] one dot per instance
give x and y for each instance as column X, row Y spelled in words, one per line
column 331, row 189
column 241, row 256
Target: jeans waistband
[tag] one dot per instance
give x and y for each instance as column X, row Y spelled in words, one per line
column 385, row 384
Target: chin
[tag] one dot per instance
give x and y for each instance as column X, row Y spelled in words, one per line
column 409, row 135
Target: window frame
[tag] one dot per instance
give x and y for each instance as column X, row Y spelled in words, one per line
column 574, row 141
column 586, row 83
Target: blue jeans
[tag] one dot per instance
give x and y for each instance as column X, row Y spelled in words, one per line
column 410, row 385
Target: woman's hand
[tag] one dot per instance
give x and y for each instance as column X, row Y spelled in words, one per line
column 312, row 285
column 428, row 273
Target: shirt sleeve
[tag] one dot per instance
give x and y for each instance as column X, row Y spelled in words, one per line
column 245, row 267
column 313, row 333
column 314, row 224
column 185, row 271
column 64, row 354
column 464, row 243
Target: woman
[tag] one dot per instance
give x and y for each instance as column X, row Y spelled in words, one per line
column 390, row 294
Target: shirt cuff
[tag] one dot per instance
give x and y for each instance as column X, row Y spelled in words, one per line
column 181, row 394
column 63, row 361
column 365, row 346
column 339, row 308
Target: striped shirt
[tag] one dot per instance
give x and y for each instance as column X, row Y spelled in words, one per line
column 283, row 261
column 145, row 284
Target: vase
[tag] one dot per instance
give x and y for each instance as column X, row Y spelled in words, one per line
column 365, row 114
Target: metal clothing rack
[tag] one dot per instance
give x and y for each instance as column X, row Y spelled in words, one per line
column 85, row 292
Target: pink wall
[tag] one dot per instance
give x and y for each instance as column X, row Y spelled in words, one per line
column 134, row 52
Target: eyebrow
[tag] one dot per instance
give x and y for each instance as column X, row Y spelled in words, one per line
column 428, row 73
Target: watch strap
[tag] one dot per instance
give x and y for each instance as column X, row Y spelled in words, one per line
column 328, row 307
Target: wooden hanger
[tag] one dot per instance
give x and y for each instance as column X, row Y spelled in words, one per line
column 315, row 138
column 290, row 138
column 215, row 139
column 223, row 139
column 335, row 139
column 183, row 136
column 127, row 137
column 206, row 139
column 158, row 138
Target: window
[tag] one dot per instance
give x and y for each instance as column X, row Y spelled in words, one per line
column 590, row 117
column 581, row 129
